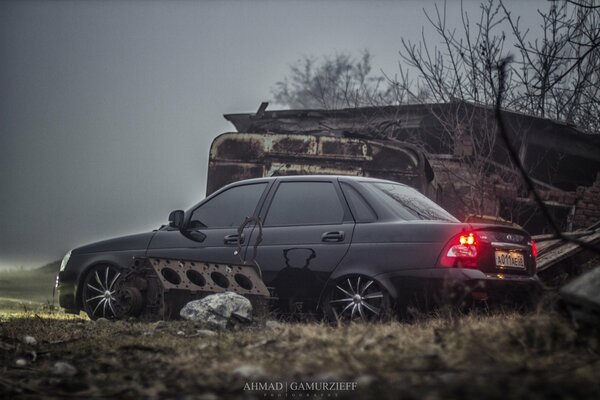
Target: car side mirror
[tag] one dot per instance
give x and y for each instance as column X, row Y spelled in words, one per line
column 176, row 219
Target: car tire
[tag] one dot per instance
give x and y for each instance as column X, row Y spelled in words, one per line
column 357, row 298
column 98, row 291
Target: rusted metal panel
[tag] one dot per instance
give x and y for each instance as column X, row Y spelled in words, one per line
column 208, row 277
column 157, row 288
column 235, row 156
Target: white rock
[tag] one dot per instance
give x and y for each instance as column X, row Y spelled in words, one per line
column 160, row 325
column 21, row 362
column 249, row 371
column 272, row 324
column 205, row 333
column 216, row 310
column 365, row 380
column 64, row 368
column 30, row 340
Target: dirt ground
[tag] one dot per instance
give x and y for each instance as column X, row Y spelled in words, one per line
column 500, row 356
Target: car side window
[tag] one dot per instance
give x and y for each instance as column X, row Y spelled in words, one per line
column 228, row 209
column 305, row 203
column 360, row 208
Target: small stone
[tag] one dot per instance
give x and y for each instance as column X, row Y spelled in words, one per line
column 102, row 321
column 249, row 371
column 64, row 368
column 160, row 325
column 328, row 376
column 272, row 324
column 207, row 396
column 30, row 340
column 147, row 333
column 21, row 362
column 181, row 333
column 364, row 380
column 202, row 346
column 205, row 333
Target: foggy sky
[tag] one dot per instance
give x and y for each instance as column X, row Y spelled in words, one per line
column 108, row 109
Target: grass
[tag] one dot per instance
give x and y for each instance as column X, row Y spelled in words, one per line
column 506, row 355
column 481, row 355
column 26, row 290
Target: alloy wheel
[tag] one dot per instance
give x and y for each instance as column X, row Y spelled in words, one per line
column 99, row 292
column 358, row 298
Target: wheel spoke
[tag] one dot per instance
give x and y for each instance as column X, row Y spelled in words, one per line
column 351, row 288
column 111, row 308
column 98, row 305
column 358, row 285
column 371, row 308
column 104, row 309
column 106, row 278
column 360, row 311
column 345, row 291
column 366, row 287
column 353, row 311
column 340, row 300
column 95, row 297
column 100, row 282
column 114, row 280
column 376, row 295
column 95, row 288
column 345, row 308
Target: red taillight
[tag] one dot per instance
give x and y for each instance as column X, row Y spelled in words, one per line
column 534, row 249
column 461, row 251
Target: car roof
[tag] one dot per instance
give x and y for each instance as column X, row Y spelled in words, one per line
column 315, row 178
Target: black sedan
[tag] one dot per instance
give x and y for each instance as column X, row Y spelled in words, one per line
column 348, row 247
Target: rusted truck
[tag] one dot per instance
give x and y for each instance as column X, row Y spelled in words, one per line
column 237, row 155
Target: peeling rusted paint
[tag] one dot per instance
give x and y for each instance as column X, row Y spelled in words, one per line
column 236, row 156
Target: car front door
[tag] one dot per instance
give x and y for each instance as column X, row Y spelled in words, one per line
column 307, row 230
column 210, row 233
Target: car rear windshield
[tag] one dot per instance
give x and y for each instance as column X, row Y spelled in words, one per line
column 407, row 203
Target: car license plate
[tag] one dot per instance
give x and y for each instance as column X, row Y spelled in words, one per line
column 510, row 259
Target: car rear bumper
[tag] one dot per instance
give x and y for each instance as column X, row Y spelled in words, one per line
column 432, row 286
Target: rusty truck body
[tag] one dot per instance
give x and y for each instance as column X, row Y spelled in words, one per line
column 235, row 156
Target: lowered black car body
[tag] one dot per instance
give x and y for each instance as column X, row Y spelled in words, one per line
column 349, row 247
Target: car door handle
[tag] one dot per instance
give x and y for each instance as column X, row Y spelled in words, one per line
column 232, row 239
column 337, row 236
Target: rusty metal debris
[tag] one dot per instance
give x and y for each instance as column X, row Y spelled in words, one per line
column 157, row 288
column 236, row 156
column 581, row 297
column 557, row 256
column 563, row 162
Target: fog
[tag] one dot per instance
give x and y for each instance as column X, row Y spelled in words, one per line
column 108, row 109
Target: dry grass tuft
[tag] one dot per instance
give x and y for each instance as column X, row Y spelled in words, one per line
column 504, row 355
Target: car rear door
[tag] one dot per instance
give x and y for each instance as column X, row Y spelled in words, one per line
column 307, row 230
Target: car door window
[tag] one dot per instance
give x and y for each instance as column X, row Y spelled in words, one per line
column 361, row 210
column 228, row 209
column 305, row 203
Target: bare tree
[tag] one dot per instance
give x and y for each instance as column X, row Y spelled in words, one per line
column 555, row 76
column 331, row 83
